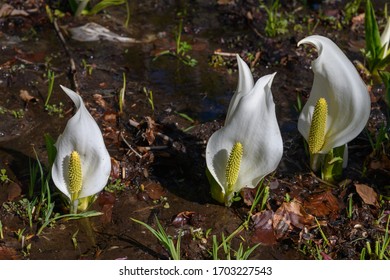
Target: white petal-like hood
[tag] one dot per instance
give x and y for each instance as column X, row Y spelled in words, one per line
column 336, row 80
column 253, row 123
column 245, row 84
column 83, row 135
column 385, row 38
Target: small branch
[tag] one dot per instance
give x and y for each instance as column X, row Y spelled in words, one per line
column 130, row 147
column 73, row 69
column 225, row 53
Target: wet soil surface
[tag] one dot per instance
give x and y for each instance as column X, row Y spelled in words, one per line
column 157, row 152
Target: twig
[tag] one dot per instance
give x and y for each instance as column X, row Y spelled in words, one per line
column 130, row 147
column 225, row 53
column 73, row 69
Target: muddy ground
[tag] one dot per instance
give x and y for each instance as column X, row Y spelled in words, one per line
column 158, row 164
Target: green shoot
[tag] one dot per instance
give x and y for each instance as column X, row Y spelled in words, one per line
column 385, row 76
column 182, row 47
column 77, row 216
column 350, row 10
column 326, row 241
column 240, row 254
column 261, row 193
column 298, row 107
column 74, row 239
column 377, row 55
column 350, row 206
column 384, row 251
column 275, row 24
column 1, row 231
column 50, row 79
column 149, row 96
column 81, row 8
column 377, row 141
column 3, row 176
column 244, row 255
column 381, row 250
column 122, row 95
column 185, row 116
column 19, row 234
column 188, row 118
column 88, row 67
column 165, row 240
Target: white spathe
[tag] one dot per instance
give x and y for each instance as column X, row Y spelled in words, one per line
column 336, row 80
column 81, row 134
column 385, row 38
column 251, row 120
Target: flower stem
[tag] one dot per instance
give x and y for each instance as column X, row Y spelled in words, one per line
column 73, row 206
column 332, row 167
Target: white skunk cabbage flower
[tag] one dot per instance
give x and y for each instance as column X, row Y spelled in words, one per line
column 250, row 145
column 339, row 104
column 82, row 164
column 385, row 38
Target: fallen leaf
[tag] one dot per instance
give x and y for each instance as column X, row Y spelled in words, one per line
column 7, row 253
column 382, row 163
column 289, row 215
column 26, row 97
column 264, row 231
column 182, row 218
column 115, row 169
column 106, row 201
column 154, row 190
column 7, row 10
column 100, row 100
column 322, row 204
column 150, row 130
column 248, row 195
column 367, row 194
column 110, row 117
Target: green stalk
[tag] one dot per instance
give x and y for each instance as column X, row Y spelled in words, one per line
column 332, row 167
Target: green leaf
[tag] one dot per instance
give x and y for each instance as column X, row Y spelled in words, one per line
column 386, row 80
column 373, row 40
column 50, row 148
column 103, row 5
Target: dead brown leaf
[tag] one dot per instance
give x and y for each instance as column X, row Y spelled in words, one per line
column 7, row 10
column 7, row 253
column 367, row 194
column 322, row 204
column 290, row 214
column 182, row 218
column 100, row 100
column 26, row 97
column 264, row 231
column 154, row 190
column 382, row 163
column 150, row 130
column 106, row 201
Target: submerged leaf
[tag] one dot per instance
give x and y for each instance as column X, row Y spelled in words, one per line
column 94, row 32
